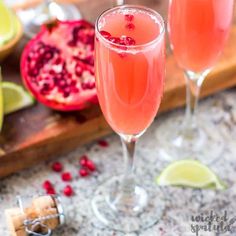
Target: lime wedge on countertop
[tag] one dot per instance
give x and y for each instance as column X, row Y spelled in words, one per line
column 15, row 97
column 7, row 24
column 189, row 173
column 1, row 101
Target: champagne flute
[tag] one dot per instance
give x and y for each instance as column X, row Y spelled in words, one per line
column 33, row 18
column 198, row 31
column 130, row 69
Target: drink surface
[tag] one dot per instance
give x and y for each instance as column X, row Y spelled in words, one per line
column 130, row 80
column 198, row 30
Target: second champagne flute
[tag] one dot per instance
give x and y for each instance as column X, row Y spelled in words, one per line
column 198, row 30
column 130, row 68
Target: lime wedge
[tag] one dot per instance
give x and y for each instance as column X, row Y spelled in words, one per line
column 1, row 101
column 7, row 28
column 15, row 97
column 189, row 173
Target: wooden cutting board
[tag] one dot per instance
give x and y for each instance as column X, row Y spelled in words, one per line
column 39, row 133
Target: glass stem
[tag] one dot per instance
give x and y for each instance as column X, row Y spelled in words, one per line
column 128, row 143
column 193, row 85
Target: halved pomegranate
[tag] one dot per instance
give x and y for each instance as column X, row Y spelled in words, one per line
column 57, row 65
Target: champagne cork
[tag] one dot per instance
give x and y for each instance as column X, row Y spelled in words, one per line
column 15, row 219
column 46, row 206
column 45, row 209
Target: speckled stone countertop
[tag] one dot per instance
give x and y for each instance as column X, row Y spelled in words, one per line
column 181, row 204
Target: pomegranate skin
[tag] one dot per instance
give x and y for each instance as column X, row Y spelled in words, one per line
column 57, row 65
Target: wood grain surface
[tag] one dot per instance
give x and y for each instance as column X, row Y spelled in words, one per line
column 39, row 133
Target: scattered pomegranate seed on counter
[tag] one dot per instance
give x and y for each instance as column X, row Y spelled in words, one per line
column 87, row 166
column 51, row 191
column 83, row 160
column 66, row 176
column 103, row 143
column 83, row 172
column 57, row 166
column 90, row 165
column 68, row 191
column 47, row 184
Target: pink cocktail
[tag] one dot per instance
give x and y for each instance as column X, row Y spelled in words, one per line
column 129, row 77
column 198, row 31
column 130, row 67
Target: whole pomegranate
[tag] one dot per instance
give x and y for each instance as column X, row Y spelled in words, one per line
column 57, row 65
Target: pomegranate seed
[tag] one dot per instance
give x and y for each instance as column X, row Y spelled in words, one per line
column 68, row 191
column 114, row 39
column 57, row 167
column 103, row 143
column 51, row 191
column 128, row 41
column 83, row 172
column 72, row 43
column 47, row 184
column 61, row 83
column 129, row 17
column 58, row 61
column 130, row 26
column 105, row 34
column 90, row 165
column 66, row 176
column 83, row 160
column 122, row 46
column 78, row 70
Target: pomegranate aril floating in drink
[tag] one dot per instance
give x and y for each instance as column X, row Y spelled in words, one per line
column 105, row 34
column 128, row 41
column 114, row 39
column 129, row 17
column 130, row 26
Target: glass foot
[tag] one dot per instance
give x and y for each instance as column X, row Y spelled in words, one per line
column 204, row 143
column 33, row 18
column 137, row 212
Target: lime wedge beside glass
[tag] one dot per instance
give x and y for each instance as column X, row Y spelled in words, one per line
column 15, row 97
column 189, row 173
